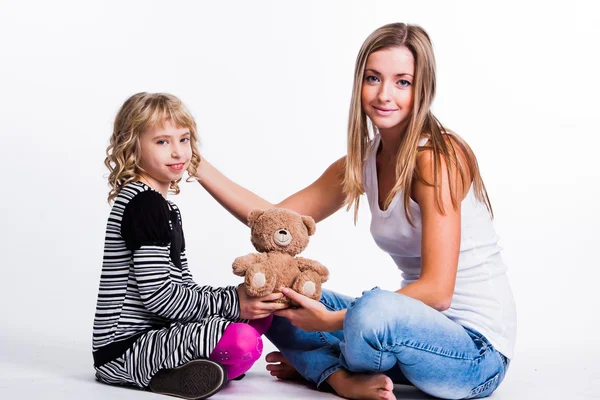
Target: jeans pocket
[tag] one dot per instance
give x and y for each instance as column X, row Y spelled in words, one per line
column 485, row 389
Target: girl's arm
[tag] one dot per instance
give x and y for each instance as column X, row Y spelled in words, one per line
column 319, row 200
column 223, row 300
column 440, row 242
column 231, row 302
column 146, row 230
column 165, row 298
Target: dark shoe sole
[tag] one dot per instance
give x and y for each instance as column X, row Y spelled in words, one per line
column 239, row 378
column 195, row 380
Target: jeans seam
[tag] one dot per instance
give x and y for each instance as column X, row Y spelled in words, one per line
column 388, row 349
column 327, row 373
column 326, row 304
column 323, row 339
column 379, row 358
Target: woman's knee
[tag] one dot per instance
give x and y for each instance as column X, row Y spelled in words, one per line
column 374, row 309
column 379, row 319
column 335, row 301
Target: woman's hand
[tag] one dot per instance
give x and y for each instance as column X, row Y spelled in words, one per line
column 312, row 316
column 258, row 307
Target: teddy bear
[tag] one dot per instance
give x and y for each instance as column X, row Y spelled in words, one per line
column 279, row 235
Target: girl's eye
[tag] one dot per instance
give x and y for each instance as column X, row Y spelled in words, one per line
column 404, row 83
column 161, row 142
column 185, row 140
column 371, row 79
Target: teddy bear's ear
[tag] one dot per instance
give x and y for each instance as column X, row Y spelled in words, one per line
column 310, row 224
column 253, row 216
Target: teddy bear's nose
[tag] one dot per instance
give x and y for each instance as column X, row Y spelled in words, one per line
column 282, row 237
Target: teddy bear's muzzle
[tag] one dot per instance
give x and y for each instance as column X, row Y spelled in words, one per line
column 282, row 237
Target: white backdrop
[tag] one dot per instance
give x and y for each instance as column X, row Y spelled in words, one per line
column 269, row 83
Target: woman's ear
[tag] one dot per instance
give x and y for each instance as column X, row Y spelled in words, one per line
column 254, row 215
column 310, row 224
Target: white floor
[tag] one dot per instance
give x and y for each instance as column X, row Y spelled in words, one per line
column 63, row 371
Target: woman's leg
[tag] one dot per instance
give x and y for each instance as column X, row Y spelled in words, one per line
column 315, row 355
column 383, row 329
column 238, row 349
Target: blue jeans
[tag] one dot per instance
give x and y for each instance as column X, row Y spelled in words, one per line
column 397, row 335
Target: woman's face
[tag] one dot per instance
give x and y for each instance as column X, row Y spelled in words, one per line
column 387, row 91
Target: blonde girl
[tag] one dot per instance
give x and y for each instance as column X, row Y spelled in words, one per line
column 154, row 326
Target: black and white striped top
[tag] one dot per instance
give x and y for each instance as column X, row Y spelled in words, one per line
column 146, row 283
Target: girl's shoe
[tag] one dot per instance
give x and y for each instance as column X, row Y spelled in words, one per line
column 239, row 378
column 195, row 380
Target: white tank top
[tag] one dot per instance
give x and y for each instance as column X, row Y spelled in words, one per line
column 482, row 297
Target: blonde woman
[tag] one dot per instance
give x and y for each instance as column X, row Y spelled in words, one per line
column 154, row 326
column 450, row 328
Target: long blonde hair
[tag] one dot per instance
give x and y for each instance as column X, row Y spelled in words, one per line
column 139, row 113
column 422, row 124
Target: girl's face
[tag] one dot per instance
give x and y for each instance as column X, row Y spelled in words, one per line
column 387, row 93
column 165, row 152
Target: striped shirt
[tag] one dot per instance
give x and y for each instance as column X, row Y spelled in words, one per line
column 146, row 283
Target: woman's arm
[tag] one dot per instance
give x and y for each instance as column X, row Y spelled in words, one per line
column 440, row 242
column 319, row 200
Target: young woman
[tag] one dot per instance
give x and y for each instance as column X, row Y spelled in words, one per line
column 450, row 327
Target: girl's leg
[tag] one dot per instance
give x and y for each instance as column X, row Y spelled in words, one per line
column 383, row 329
column 161, row 359
column 261, row 325
column 238, row 349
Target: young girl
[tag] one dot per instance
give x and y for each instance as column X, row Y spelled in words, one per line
column 154, row 326
column 450, row 328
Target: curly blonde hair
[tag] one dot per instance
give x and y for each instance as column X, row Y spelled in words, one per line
column 139, row 113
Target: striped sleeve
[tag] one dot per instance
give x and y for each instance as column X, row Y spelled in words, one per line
column 147, row 231
column 224, row 301
column 161, row 296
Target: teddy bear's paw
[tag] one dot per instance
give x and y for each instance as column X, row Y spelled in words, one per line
column 309, row 288
column 259, row 280
column 308, row 284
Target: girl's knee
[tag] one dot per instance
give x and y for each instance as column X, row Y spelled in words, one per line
column 240, row 342
column 261, row 325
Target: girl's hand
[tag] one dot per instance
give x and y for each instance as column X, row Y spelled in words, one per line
column 312, row 316
column 258, row 307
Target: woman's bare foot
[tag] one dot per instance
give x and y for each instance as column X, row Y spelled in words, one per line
column 362, row 386
column 283, row 370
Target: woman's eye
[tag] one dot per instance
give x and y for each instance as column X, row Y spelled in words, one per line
column 371, row 79
column 403, row 83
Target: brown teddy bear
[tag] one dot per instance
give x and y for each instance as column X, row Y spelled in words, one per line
column 279, row 235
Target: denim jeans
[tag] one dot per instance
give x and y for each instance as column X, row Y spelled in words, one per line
column 397, row 335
